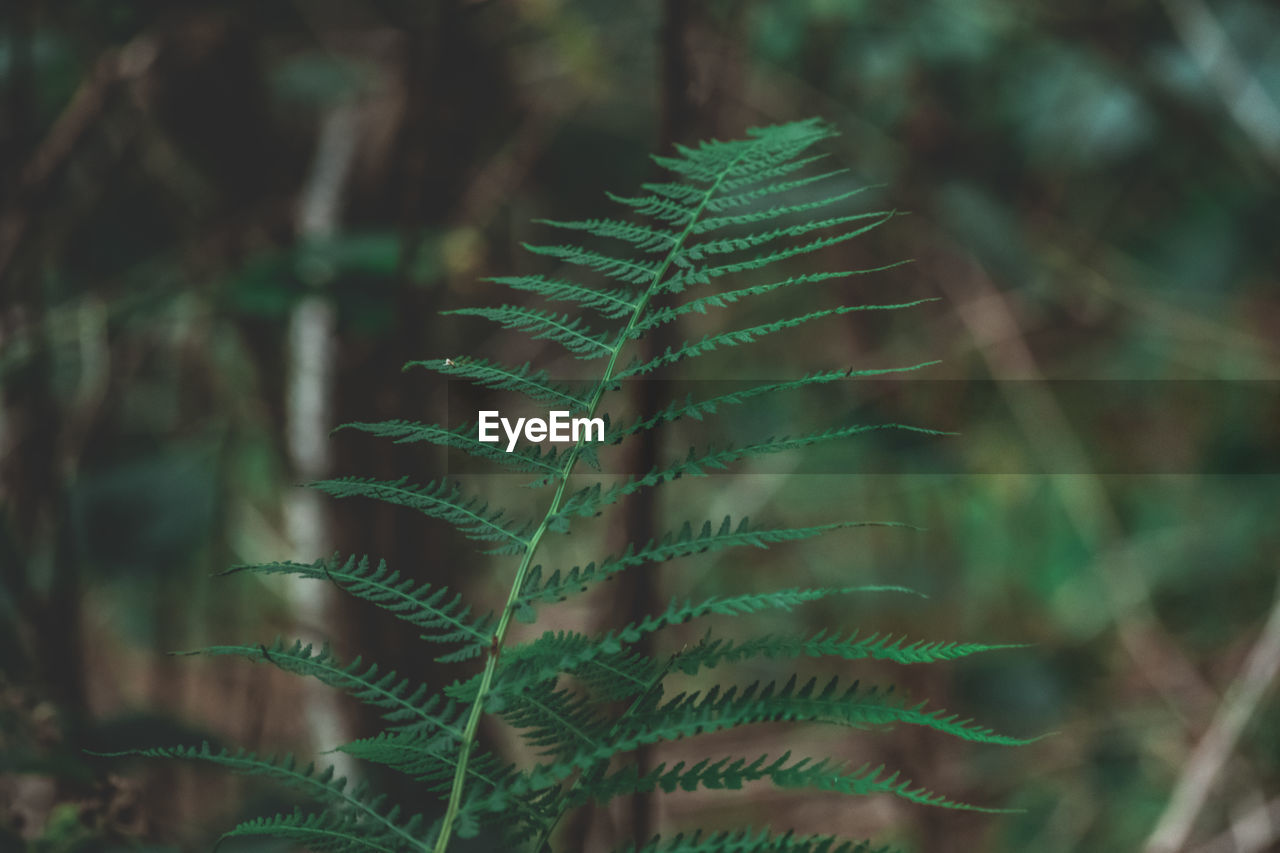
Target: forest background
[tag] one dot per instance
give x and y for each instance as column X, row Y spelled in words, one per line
column 224, row 227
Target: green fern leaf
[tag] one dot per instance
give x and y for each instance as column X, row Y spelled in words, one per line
column 438, row 499
column 689, row 714
column 739, row 337
column 656, row 206
column 534, row 384
column 673, row 545
column 572, row 334
column 712, row 652
column 589, row 501
column 697, row 409
column 752, row 240
column 522, row 459
column 770, row 214
column 716, row 709
column 622, row 269
column 643, row 237
column 751, row 841
column 620, row 674
column 370, row 819
column 612, row 304
column 584, row 702
column 406, row 705
column 731, row 201
column 438, row 613
column 660, row 316
column 558, row 722
column 320, row 832
column 733, row 773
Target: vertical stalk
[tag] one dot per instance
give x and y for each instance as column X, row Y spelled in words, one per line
column 309, row 407
column 571, row 459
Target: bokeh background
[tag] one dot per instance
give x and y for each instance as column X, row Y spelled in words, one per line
column 224, row 227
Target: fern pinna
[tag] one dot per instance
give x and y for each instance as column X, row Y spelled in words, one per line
column 586, row 702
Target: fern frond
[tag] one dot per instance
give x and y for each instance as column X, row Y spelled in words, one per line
column 673, row 545
column 689, row 714
column 622, row 269
column 538, row 663
column 404, row 703
column 572, row 334
column 693, row 274
column 738, row 337
column 319, row 832
column 528, row 460
column 431, row 759
column 748, row 159
column 643, row 237
column 534, row 384
column 559, row 722
column 733, row 200
column 621, row 673
column 438, row 499
column 426, row 757
column 438, row 613
column 730, row 605
column 752, row 240
column 751, row 841
column 855, row 706
column 678, row 192
column 608, row 303
column 732, row 207
column 371, row 821
column 657, row 207
column 588, row 501
column 696, row 409
column 659, row 316
column 732, row 773
column 836, row 776
column 712, row 652
column 769, row 214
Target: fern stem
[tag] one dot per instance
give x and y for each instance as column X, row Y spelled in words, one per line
column 531, row 547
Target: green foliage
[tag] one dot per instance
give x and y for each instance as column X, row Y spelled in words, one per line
column 584, row 703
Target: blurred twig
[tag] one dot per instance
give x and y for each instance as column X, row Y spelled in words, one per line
column 1202, row 770
column 506, row 171
column 1193, row 331
column 1244, row 97
column 310, row 401
column 53, row 151
column 1252, row 831
column 91, row 98
column 986, row 313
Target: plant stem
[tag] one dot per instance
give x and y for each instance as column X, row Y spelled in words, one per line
column 517, row 583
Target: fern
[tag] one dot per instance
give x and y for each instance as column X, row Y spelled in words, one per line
column 583, row 703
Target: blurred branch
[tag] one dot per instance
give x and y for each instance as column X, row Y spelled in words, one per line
column 1253, row 831
column 309, row 405
column 776, row 95
column 86, row 106
column 54, row 150
column 1245, row 99
column 1194, row 331
column 505, row 172
column 986, row 313
column 1000, row 337
column 1210, row 755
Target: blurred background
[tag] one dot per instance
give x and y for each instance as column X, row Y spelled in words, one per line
column 224, row 227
